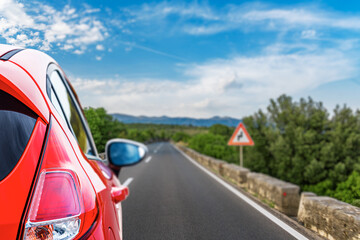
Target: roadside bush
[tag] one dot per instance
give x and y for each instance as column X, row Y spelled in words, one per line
column 214, row 146
column 180, row 137
column 349, row 190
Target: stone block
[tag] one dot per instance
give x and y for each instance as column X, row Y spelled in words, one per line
column 284, row 195
column 236, row 173
column 216, row 165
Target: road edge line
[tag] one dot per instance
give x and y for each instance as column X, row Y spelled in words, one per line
column 158, row 148
column 259, row 208
column 148, row 159
column 127, row 182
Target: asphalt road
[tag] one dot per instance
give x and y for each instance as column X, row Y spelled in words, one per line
column 171, row 198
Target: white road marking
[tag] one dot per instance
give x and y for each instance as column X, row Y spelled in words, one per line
column 148, row 159
column 267, row 214
column 157, row 149
column 128, row 181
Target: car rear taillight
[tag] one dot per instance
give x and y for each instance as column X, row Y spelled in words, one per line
column 55, row 208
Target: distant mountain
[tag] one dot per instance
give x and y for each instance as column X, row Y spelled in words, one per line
column 203, row 122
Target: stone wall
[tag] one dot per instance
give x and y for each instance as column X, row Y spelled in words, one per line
column 329, row 217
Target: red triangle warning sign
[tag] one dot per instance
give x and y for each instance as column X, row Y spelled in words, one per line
column 240, row 137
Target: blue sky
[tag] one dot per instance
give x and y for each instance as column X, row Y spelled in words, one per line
column 195, row 58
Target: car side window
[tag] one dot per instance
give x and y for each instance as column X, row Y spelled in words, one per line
column 64, row 104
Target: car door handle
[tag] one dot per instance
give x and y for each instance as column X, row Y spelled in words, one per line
column 119, row 194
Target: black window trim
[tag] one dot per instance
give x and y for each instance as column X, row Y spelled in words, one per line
column 9, row 54
column 53, row 67
column 62, row 110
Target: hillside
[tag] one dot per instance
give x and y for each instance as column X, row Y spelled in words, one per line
column 202, row 122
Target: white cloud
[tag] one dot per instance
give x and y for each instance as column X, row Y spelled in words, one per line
column 205, row 30
column 246, row 17
column 236, row 86
column 308, row 34
column 68, row 47
column 272, row 75
column 37, row 24
column 15, row 13
column 302, row 17
column 131, row 45
column 100, row 47
column 79, row 51
column 164, row 9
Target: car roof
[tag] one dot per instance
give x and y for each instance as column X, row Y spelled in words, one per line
column 24, row 76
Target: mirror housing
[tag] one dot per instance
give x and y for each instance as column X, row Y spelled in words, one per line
column 123, row 152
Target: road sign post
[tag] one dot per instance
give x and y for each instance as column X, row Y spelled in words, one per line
column 241, row 157
column 241, row 138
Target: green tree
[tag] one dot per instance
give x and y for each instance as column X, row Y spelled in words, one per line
column 180, row 136
column 103, row 126
column 220, row 129
column 349, row 190
column 299, row 143
column 258, row 157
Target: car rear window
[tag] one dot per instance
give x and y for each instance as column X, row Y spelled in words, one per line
column 16, row 125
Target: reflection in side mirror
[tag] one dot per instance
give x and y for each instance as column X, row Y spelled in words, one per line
column 124, row 152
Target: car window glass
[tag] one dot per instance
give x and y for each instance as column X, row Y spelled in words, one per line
column 16, row 125
column 69, row 111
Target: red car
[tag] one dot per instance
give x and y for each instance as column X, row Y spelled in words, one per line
column 53, row 185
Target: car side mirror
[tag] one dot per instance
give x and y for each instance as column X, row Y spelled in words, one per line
column 124, row 152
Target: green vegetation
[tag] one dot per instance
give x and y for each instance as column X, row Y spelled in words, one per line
column 104, row 127
column 298, row 142
column 214, row 143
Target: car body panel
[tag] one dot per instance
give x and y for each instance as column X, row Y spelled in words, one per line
column 26, row 60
